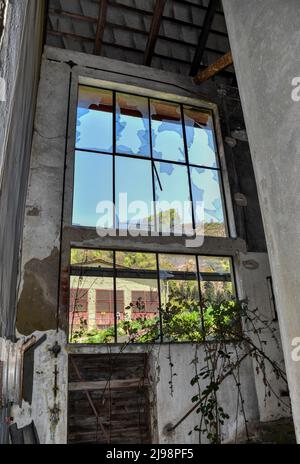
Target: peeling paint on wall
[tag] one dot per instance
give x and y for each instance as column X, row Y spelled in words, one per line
column 49, row 404
column 37, row 305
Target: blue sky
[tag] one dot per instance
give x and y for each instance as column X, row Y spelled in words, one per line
column 93, row 171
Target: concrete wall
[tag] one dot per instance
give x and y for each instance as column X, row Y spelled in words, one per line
column 264, row 36
column 174, row 401
column 253, row 272
column 20, row 51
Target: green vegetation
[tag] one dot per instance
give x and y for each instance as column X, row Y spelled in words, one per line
column 182, row 321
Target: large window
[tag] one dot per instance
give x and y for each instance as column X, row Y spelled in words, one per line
column 151, row 165
column 141, row 297
column 162, row 155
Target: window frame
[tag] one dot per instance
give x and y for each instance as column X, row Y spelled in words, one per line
column 86, row 237
column 114, row 275
column 220, row 168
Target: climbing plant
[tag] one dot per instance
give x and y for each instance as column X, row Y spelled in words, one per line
column 234, row 334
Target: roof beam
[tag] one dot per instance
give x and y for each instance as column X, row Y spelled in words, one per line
column 213, row 69
column 101, row 26
column 154, row 31
column 208, row 20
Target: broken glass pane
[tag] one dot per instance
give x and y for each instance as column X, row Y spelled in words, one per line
column 207, row 201
column 95, row 119
column 92, row 185
column 173, row 205
column 132, row 118
column 134, row 193
column 200, row 137
column 167, row 131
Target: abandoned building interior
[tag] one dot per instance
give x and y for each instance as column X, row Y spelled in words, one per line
column 126, row 328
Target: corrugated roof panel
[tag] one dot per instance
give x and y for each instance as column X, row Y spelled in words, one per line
column 180, row 52
column 122, row 55
column 127, row 30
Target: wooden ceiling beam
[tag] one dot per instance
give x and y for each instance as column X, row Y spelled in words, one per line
column 213, row 69
column 101, row 26
column 154, row 31
column 208, row 20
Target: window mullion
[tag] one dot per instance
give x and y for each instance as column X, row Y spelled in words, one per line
column 159, row 298
column 188, row 167
column 200, row 294
column 152, row 166
column 114, row 158
column 115, row 298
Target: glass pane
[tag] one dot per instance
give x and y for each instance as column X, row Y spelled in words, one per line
column 133, row 135
column 181, row 314
column 217, row 295
column 215, row 264
column 96, row 324
column 207, row 201
column 174, row 212
column 92, row 185
column 216, row 278
column 134, row 260
column 95, row 119
column 140, row 322
column 100, row 259
column 134, row 193
column 167, row 131
column 214, row 291
column 200, row 137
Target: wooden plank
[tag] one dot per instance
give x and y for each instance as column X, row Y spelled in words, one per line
column 100, row 26
column 102, row 385
column 208, row 20
column 154, row 31
column 213, row 69
column 89, row 398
